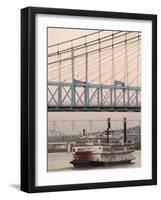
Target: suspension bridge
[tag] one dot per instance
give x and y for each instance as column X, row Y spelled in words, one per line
column 99, row 71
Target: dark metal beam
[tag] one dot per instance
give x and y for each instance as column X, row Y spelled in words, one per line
column 94, row 108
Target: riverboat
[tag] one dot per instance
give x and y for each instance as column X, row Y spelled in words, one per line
column 105, row 148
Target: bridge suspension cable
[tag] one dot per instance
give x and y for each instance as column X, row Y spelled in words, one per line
column 95, row 50
column 104, row 61
column 81, row 64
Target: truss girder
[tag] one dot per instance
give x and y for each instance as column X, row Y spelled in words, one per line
column 88, row 95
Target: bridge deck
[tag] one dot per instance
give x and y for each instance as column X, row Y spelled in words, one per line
column 95, row 108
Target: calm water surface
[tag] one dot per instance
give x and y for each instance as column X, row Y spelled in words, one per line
column 61, row 161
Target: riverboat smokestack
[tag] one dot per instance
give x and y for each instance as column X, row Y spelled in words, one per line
column 125, row 130
column 109, row 123
column 109, row 126
column 84, row 132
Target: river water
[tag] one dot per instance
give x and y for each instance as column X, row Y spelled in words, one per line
column 61, row 161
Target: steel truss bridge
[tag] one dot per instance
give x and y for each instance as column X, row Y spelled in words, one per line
column 98, row 74
column 93, row 97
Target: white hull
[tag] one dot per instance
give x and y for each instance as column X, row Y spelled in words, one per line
column 107, row 158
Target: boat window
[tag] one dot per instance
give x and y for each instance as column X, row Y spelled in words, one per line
column 106, row 149
column 117, row 148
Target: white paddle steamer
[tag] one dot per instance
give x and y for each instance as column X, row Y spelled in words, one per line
column 105, row 148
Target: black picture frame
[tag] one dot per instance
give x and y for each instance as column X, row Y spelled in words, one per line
column 28, row 98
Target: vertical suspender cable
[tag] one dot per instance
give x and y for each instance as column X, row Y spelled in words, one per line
column 73, row 84
column 113, row 70
column 86, row 65
column 59, row 64
column 138, row 47
column 72, row 60
column 126, row 61
column 99, row 57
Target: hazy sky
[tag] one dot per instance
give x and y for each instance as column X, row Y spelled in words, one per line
column 57, row 35
column 92, row 115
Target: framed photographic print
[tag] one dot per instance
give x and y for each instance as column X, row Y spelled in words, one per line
column 88, row 99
